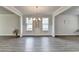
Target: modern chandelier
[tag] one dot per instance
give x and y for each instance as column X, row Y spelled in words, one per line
column 36, row 18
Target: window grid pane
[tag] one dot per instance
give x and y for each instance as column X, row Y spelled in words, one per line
column 45, row 21
column 29, row 20
column 29, row 28
column 29, row 24
column 45, row 24
column 45, row 27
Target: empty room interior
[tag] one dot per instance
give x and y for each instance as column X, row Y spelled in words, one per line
column 39, row 28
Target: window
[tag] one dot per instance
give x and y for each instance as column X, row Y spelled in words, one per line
column 29, row 24
column 45, row 24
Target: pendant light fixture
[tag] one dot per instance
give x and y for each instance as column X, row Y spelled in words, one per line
column 36, row 14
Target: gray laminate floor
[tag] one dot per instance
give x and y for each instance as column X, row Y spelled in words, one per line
column 39, row 44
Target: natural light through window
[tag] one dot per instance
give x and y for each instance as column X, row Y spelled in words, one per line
column 45, row 24
column 29, row 24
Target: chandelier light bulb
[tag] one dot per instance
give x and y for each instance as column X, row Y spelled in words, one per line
column 39, row 19
column 34, row 18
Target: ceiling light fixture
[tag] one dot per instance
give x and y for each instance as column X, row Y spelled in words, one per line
column 36, row 18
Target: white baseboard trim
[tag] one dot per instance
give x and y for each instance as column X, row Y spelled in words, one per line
column 53, row 35
column 66, row 34
column 8, row 35
column 37, row 35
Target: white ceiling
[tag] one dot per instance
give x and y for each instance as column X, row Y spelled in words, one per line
column 32, row 10
column 72, row 11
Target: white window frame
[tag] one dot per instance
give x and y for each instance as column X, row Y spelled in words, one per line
column 45, row 29
column 28, row 23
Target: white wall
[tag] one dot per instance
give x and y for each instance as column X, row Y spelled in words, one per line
column 38, row 32
column 66, row 24
column 8, row 22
